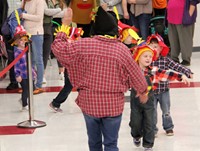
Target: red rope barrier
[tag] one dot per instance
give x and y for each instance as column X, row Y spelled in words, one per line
column 13, row 63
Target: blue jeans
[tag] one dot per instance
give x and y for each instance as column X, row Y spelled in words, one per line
column 142, row 23
column 107, row 127
column 37, row 57
column 164, row 100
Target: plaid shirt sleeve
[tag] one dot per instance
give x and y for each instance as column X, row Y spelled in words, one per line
column 178, row 67
column 164, row 75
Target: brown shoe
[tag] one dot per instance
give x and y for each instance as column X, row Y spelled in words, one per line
column 38, row 91
column 170, row 133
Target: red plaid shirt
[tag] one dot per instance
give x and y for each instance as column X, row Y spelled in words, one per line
column 103, row 69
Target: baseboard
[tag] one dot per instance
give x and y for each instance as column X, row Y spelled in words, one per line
column 196, row 49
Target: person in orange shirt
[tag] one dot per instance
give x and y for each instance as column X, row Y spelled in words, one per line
column 159, row 7
column 81, row 14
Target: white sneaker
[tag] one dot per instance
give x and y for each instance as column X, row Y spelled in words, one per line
column 61, row 76
column 44, row 81
column 148, row 149
column 24, row 108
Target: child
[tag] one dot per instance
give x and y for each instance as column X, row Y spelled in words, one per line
column 142, row 115
column 161, row 93
column 19, row 40
column 128, row 35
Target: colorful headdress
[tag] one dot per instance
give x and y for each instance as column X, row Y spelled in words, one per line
column 72, row 32
column 19, row 32
column 142, row 49
column 165, row 49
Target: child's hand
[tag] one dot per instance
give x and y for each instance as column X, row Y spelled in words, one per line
column 19, row 79
column 143, row 98
column 185, row 80
column 191, row 76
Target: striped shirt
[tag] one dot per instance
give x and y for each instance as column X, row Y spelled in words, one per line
column 103, row 69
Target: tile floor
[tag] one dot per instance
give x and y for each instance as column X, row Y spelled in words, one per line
column 67, row 132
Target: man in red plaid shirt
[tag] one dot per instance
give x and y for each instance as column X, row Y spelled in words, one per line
column 102, row 68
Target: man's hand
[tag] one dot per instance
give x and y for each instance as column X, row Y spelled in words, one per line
column 67, row 19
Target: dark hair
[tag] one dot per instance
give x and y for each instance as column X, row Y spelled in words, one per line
column 154, row 40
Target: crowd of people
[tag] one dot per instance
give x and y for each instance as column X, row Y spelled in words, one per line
column 114, row 51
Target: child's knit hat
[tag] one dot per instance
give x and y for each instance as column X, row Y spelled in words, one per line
column 141, row 49
column 165, row 49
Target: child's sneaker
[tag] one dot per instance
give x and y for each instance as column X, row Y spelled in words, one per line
column 137, row 142
column 148, row 149
column 25, row 108
column 170, row 133
column 55, row 109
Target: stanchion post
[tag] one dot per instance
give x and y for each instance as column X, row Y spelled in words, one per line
column 31, row 123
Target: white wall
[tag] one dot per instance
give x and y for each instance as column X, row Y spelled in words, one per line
column 197, row 29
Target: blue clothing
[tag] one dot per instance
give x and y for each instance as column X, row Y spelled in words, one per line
column 20, row 67
column 13, row 21
column 164, row 101
column 102, row 131
column 37, row 59
column 187, row 19
column 141, row 22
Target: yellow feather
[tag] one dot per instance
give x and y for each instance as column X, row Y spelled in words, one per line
column 116, row 12
column 17, row 17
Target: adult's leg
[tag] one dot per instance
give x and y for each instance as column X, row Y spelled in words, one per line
column 174, row 42
column 110, row 129
column 63, row 94
column 186, row 34
column 10, row 50
column 93, row 126
column 37, row 50
column 144, row 21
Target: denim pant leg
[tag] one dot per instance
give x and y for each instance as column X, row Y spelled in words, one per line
column 37, row 59
column 142, row 23
column 107, row 127
column 63, row 94
column 164, row 100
